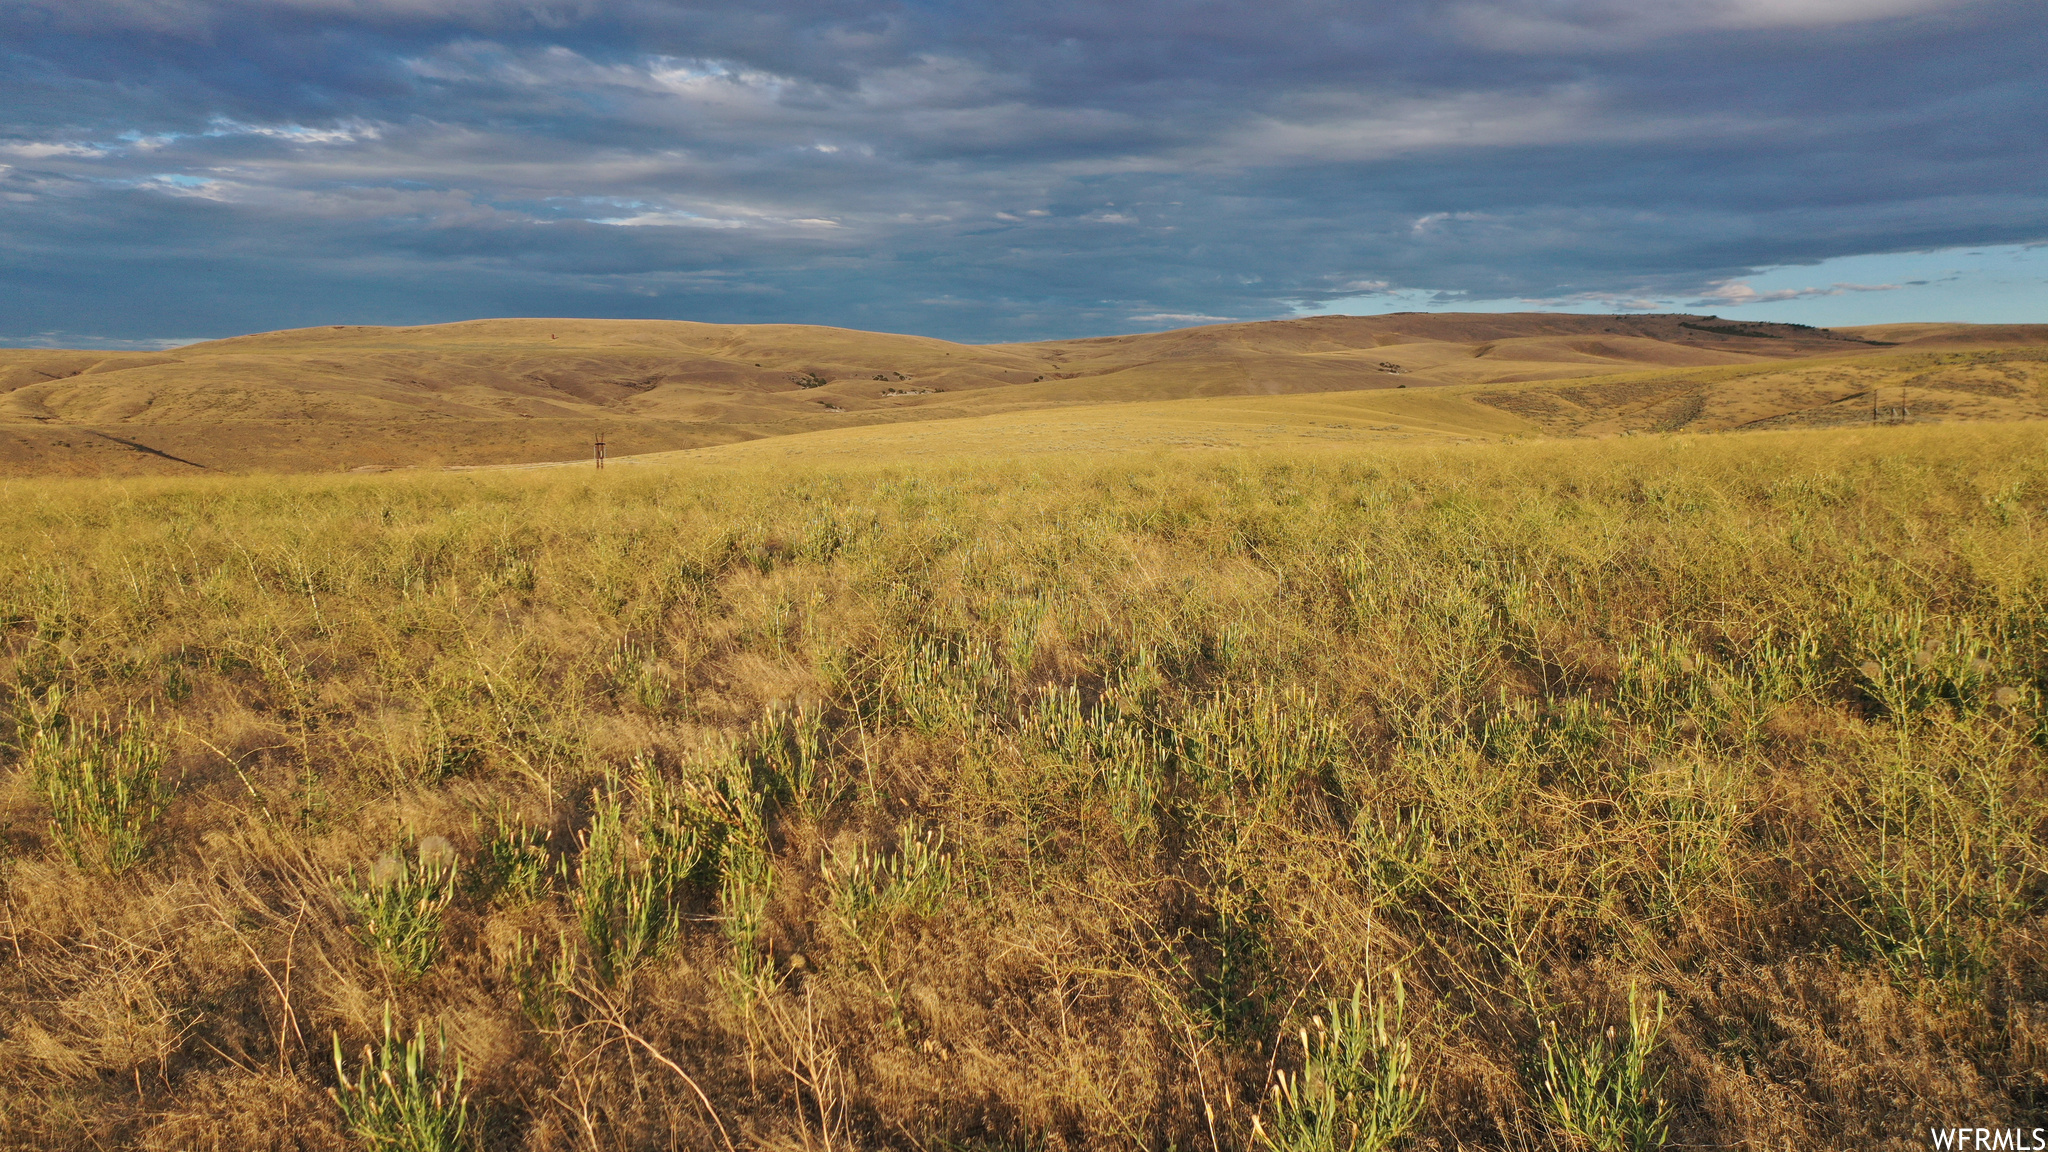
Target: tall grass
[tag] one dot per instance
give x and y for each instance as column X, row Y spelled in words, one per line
column 1055, row 804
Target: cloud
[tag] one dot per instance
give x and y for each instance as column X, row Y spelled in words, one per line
column 1344, row 127
column 682, row 219
column 1610, row 25
column 66, row 339
column 348, row 132
column 1044, row 169
column 41, row 150
column 1734, row 294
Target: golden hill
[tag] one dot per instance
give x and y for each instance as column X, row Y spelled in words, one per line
column 1892, row 388
column 506, row 391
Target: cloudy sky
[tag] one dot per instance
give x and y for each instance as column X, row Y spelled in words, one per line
column 1012, row 169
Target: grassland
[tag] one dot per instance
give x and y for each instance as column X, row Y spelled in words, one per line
column 1980, row 385
column 521, row 391
column 1662, row 789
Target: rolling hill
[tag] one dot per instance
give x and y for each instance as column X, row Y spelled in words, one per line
column 1896, row 388
column 509, row 391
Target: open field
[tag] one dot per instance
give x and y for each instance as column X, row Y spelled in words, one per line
column 1672, row 789
column 1921, row 387
column 512, row 391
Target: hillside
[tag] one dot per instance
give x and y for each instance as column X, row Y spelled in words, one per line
column 500, row 391
column 1896, row 387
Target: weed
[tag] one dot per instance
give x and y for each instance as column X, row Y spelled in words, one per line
column 544, row 981
column 397, row 1102
column 103, row 782
column 638, row 676
column 625, row 890
column 400, row 902
column 512, row 861
column 869, row 889
column 1599, row 1091
column 791, row 747
column 1200, row 729
column 1127, row 764
column 1940, row 864
column 633, row 867
column 870, row 886
column 743, row 900
column 445, row 754
column 1355, row 1091
column 1232, row 994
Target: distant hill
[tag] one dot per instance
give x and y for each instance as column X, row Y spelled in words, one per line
column 508, row 391
column 1926, row 385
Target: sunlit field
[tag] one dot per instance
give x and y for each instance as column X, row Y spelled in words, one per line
column 1658, row 791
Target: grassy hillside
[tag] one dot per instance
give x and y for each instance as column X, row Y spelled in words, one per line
column 505, row 391
column 1667, row 788
column 1895, row 387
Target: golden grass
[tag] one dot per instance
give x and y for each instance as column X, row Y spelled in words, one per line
column 1044, row 803
column 526, row 390
column 1958, row 386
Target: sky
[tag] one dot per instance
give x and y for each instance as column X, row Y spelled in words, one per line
column 174, row 170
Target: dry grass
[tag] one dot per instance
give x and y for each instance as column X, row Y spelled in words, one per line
column 525, row 390
column 1050, row 804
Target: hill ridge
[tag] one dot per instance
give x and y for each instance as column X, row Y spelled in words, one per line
column 505, row 390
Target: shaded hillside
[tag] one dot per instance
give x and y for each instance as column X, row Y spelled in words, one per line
column 501, row 391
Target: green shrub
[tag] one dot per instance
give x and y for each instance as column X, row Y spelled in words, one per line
column 400, row 902
column 869, row 889
column 396, row 1103
column 1354, row 1092
column 634, row 865
column 512, row 861
column 869, row 886
column 103, row 782
column 1599, row 1093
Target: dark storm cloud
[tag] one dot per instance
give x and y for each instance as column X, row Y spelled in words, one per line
column 177, row 168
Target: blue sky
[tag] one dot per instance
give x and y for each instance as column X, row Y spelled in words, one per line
column 2001, row 284
column 183, row 169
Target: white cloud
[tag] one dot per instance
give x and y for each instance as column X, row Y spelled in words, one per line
column 38, row 150
column 1734, row 293
column 1346, row 126
column 1435, row 221
column 1181, row 318
column 179, row 184
column 346, row 133
column 733, row 218
column 62, row 339
column 1718, row 294
column 196, row 18
column 1605, row 25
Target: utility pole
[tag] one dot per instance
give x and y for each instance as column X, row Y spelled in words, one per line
column 600, row 450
